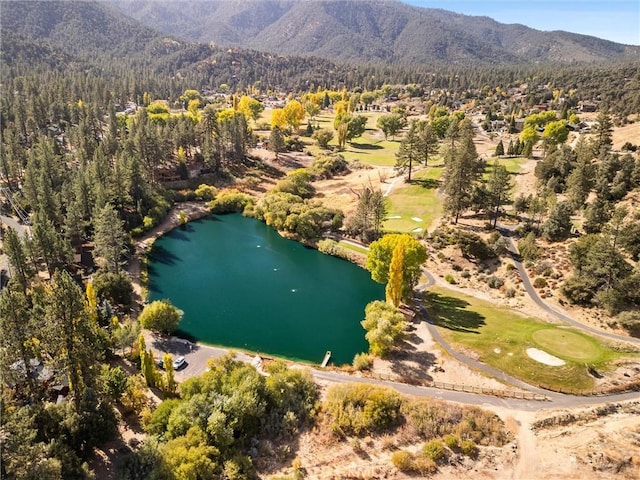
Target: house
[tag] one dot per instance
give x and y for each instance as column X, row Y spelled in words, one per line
column 588, row 107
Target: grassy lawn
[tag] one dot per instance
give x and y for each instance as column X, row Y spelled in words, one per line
column 369, row 148
column 416, row 201
column 353, row 248
column 513, row 165
column 501, row 337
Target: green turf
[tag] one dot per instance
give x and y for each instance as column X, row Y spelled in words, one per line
column 566, row 344
column 418, row 200
column 500, row 338
column 352, row 247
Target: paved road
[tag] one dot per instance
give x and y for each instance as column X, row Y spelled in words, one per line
column 197, row 357
column 13, row 223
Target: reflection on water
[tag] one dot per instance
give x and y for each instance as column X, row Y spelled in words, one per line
column 220, row 272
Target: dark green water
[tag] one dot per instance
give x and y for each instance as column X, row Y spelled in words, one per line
column 242, row 285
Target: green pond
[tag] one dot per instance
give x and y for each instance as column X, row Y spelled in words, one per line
column 242, row 285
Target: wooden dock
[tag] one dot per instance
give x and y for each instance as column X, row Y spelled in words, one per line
column 325, row 360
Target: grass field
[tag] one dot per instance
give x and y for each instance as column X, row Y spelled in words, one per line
column 370, row 148
column 501, row 337
column 353, row 248
column 414, row 202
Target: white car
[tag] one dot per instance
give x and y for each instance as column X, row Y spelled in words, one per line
column 178, row 363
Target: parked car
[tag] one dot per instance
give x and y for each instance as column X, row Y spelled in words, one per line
column 160, row 363
column 178, row 363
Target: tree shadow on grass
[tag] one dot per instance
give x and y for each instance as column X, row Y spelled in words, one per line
column 365, row 146
column 452, row 313
column 428, row 183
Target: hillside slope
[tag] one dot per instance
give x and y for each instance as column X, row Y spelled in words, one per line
column 367, row 30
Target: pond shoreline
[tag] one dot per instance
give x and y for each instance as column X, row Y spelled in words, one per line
column 192, row 211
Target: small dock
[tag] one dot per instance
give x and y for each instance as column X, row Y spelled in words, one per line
column 325, row 360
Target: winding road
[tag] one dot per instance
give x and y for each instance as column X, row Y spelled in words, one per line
column 197, row 357
column 506, row 233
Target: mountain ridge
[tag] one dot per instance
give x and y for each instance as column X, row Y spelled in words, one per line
column 368, row 30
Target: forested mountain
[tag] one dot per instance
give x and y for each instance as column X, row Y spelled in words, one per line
column 370, row 30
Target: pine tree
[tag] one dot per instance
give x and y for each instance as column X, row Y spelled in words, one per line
column 462, row 169
column 427, row 141
column 109, row 239
column 276, row 141
column 409, row 150
column 498, row 188
column 69, row 336
column 499, row 149
column 17, row 339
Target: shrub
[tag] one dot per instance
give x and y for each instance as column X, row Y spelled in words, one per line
column 510, row 267
column 452, row 442
column 539, row 282
column 472, row 246
column 469, row 448
column 356, row 409
column 327, row 166
column 495, row 282
column 630, row 321
column 544, row 268
column 362, row 361
column 205, row 192
column 333, row 248
column 434, row 449
column 424, row 466
column 528, row 248
column 449, row 278
column 465, row 274
column 510, row 292
column 230, row 201
column 403, row 461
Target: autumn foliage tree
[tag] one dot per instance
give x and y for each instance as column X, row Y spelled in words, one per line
column 161, row 316
column 381, row 253
column 393, row 292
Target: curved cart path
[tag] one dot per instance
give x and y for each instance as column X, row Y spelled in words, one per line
column 506, row 232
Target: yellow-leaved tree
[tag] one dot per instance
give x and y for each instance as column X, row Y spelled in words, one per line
column 393, row 292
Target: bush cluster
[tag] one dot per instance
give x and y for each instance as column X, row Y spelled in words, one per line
column 230, row 201
column 495, row 282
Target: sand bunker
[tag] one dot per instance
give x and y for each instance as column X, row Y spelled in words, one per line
column 544, row 357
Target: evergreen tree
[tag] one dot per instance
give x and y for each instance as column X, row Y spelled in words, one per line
column 462, row 169
column 109, row 238
column 498, row 188
column 409, row 150
column 18, row 341
column 499, row 152
column 276, row 141
column 602, row 134
column 371, row 210
column 427, row 141
column 69, row 336
column 19, row 265
column 558, row 225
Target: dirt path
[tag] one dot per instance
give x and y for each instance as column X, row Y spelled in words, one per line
column 527, row 447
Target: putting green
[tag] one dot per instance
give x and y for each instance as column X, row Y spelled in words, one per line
column 567, row 345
